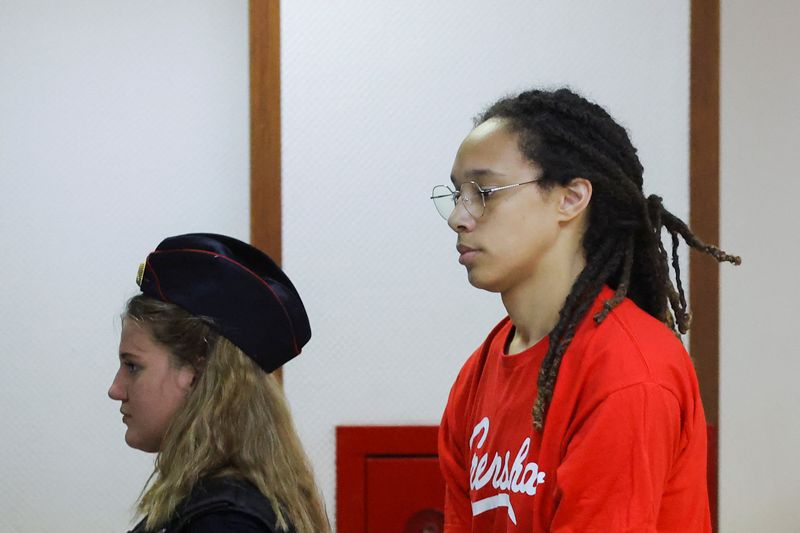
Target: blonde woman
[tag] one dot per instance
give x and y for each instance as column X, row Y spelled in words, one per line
column 215, row 318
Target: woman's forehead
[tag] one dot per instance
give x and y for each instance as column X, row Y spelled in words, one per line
column 135, row 336
column 490, row 152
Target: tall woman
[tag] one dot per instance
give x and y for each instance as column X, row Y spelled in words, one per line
column 216, row 316
column 581, row 409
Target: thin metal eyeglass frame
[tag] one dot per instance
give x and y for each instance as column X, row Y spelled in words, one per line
column 484, row 193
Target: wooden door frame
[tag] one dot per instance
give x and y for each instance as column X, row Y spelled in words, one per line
column 265, row 127
column 704, row 111
column 264, row 24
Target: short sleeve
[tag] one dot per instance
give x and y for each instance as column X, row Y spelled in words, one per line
column 616, row 465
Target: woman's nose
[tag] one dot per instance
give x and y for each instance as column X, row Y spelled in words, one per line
column 460, row 219
column 116, row 391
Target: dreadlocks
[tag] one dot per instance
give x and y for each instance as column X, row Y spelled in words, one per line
column 568, row 137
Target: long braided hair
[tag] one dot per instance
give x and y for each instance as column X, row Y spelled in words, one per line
column 568, row 137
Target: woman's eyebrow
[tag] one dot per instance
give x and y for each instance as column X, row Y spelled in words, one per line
column 480, row 173
column 477, row 174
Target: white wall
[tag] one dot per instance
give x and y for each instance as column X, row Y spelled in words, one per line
column 376, row 99
column 759, row 362
column 120, row 123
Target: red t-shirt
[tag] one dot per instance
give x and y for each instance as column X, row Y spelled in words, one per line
column 624, row 440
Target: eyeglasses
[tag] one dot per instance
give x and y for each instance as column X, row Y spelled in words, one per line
column 472, row 195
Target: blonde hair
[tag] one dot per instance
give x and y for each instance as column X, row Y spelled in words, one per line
column 234, row 422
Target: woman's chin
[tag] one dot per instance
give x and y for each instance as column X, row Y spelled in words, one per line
column 139, row 444
column 483, row 282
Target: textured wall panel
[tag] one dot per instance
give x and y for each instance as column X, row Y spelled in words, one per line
column 759, row 395
column 122, row 123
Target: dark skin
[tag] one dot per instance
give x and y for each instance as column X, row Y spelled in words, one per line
column 527, row 244
column 569, row 138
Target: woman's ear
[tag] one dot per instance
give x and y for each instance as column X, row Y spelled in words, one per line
column 197, row 371
column 574, row 199
column 186, row 377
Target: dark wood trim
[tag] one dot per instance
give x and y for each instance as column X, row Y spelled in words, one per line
column 265, row 127
column 704, row 212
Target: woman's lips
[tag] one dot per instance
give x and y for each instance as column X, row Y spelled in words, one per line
column 466, row 254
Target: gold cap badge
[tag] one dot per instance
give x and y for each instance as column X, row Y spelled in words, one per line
column 140, row 274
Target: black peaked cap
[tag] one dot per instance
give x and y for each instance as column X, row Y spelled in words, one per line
column 247, row 296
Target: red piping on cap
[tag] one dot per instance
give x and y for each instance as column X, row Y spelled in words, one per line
column 215, row 254
column 158, row 281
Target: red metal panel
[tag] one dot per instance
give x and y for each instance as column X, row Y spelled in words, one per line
column 404, row 495
column 355, row 446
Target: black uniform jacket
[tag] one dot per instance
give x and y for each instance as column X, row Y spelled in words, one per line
column 220, row 504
